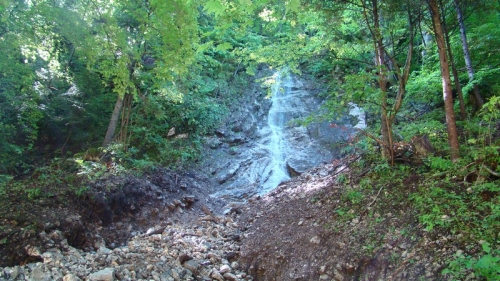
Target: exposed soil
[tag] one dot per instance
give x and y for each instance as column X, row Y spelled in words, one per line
column 313, row 228
column 316, row 226
column 114, row 209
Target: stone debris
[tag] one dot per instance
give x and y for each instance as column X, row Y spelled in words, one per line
column 315, row 240
column 205, row 250
column 107, row 274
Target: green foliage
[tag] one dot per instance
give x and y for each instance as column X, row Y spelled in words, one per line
column 483, row 147
column 79, row 192
column 439, row 164
column 92, row 170
column 192, row 117
column 214, row 6
column 345, row 214
column 487, row 265
column 425, row 81
column 342, row 178
column 44, row 182
column 353, row 196
column 472, row 213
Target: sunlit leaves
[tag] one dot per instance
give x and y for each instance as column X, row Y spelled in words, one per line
column 215, row 7
column 224, row 46
column 293, row 5
column 247, row 6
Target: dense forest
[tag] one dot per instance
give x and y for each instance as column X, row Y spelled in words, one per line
column 92, row 87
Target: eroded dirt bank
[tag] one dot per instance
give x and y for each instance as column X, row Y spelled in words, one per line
column 165, row 226
column 84, row 234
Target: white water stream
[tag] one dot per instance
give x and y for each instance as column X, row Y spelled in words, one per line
column 276, row 143
column 276, row 147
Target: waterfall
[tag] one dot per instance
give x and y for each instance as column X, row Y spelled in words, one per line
column 265, row 145
column 359, row 114
column 278, row 116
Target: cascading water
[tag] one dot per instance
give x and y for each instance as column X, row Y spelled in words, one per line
column 276, row 144
column 262, row 146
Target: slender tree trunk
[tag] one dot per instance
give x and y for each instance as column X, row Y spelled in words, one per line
column 382, row 60
column 385, row 125
column 402, row 75
column 113, row 122
column 445, row 77
column 460, row 95
column 468, row 62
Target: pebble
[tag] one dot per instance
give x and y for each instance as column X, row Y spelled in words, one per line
column 224, row 268
column 197, row 251
column 107, row 274
column 315, row 240
column 230, row 276
column 216, row 275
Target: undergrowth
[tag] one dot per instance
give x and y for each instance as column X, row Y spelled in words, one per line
column 461, row 198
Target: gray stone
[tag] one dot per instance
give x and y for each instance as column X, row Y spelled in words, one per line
column 38, row 273
column 33, row 251
column 107, row 274
column 192, row 266
column 14, row 272
column 230, row 276
column 71, row 277
column 189, row 198
column 216, row 275
column 315, row 240
column 235, row 265
column 51, row 257
column 103, row 250
column 228, row 173
column 225, row 268
column 337, row 275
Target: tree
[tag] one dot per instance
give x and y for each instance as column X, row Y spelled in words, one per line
column 132, row 33
column 378, row 47
column 386, row 65
column 458, row 87
column 22, row 89
column 446, row 82
column 468, row 62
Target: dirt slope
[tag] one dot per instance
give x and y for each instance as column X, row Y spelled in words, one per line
column 312, row 228
column 317, row 226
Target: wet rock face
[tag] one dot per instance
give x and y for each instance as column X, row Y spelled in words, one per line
column 261, row 143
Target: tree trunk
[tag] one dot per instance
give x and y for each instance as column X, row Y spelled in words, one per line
column 468, row 62
column 445, row 77
column 113, row 122
column 460, row 95
column 385, row 125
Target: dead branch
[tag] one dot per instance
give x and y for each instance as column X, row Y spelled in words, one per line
column 493, row 173
column 376, row 196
